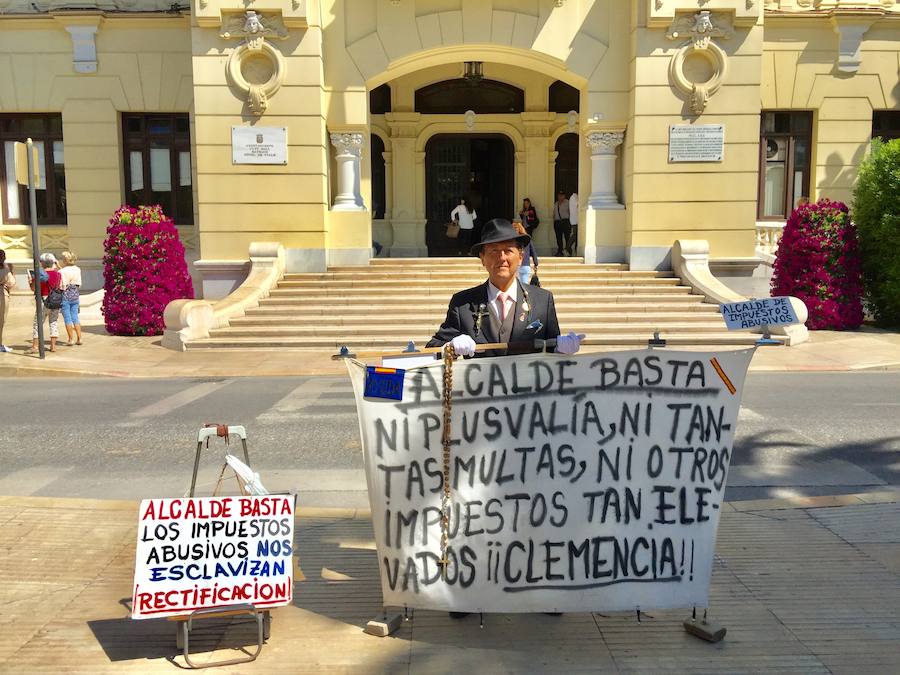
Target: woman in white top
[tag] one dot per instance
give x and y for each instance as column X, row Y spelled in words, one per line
column 7, row 283
column 465, row 216
column 71, row 284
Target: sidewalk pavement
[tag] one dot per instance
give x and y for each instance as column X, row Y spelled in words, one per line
column 809, row 586
column 115, row 356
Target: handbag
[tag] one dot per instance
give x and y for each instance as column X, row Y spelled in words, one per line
column 54, row 299
column 453, row 230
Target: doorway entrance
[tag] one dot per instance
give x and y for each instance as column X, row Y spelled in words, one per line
column 476, row 167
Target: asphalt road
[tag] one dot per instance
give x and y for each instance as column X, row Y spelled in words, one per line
column 798, row 433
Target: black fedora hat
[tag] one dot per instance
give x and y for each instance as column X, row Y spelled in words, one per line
column 497, row 230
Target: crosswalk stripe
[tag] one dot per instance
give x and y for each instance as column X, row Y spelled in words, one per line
column 175, row 401
column 301, row 401
column 748, row 415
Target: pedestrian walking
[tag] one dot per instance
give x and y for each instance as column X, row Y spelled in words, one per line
column 7, row 283
column 528, row 216
column 526, row 269
column 562, row 226
column 71, row 285
column 50, row 280
column 573, row 221
column 465, row 216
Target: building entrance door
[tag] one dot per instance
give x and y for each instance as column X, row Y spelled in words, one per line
column 476, row 167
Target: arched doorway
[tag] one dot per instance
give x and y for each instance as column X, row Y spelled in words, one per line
column 478, row 167
column 566, row 172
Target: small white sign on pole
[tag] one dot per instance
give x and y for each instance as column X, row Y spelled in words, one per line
column 207, row 552
column 259, row 145
column 755, row 313
column 696, row 142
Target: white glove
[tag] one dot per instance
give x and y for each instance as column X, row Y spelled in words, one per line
column 568, row 344
column 463, row 345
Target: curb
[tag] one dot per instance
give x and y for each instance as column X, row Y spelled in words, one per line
column 338, row 513
column 38, row 371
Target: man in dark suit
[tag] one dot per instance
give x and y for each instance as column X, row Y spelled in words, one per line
column 502, row 309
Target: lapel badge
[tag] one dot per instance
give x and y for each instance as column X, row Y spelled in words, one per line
column 479, row 315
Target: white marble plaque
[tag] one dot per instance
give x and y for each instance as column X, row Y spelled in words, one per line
column 696, row 142
column 259, row 145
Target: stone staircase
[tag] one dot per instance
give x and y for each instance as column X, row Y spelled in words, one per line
column 391, row 301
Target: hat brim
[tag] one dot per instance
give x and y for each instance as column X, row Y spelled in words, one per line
column 522, row 239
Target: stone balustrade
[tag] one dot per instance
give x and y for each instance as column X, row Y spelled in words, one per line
column 767, row 237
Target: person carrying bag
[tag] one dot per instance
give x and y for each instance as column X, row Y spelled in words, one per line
column 50, row 280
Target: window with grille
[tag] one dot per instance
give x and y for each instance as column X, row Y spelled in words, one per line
column 46, row 132
column 158, row 163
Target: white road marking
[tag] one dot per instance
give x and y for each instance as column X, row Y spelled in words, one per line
column 749, row 415
column 175, row 401
column 293, row 406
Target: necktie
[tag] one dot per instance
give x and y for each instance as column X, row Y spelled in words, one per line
column 501, row 305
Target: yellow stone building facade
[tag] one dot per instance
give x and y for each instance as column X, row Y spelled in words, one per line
column 671, row 119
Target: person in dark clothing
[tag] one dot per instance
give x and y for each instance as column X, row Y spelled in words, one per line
column 528, row 216
column 562, row 226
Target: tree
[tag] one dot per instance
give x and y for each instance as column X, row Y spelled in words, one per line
column 876, row 210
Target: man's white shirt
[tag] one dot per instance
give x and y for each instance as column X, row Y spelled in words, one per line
column 512, row 297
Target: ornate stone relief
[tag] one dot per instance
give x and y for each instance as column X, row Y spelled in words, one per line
column 255, row 67
column 699, row 30
column 604, row 142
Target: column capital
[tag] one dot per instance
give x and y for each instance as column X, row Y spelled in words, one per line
column 604, row 142
column 349, row 143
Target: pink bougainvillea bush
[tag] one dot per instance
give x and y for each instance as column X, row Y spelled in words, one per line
column 818, row 262
column 143, row 270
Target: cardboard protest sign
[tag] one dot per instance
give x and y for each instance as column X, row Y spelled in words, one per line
column 578, row 483
column 755, row 313
column 208, row 552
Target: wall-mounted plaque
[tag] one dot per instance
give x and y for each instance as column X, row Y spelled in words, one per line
column 696, row 142
column 258, row 145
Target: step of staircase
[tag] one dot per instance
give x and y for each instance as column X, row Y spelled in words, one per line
column 391, row 301
column 319, row 344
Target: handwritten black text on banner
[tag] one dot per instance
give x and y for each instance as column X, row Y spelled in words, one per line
column 579, row 483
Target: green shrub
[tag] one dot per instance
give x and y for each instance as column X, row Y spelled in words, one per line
column 876, row 211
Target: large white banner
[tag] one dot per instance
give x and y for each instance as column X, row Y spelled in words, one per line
column 578, row 483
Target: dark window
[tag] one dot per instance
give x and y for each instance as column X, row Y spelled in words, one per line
column 784, row 162
column 886, row 124
column 378, row 177
column 563, row 97
column 46, row 132
column 380, row 100
column 453, row 97
column 158, row 163
column 566, row 171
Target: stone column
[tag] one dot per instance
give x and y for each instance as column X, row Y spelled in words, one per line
column 347, row 147
column 603, row 146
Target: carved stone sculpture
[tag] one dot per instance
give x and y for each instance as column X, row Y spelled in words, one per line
column 254, row 27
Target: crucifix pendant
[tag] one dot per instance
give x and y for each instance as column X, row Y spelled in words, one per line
column 443, row 562
column 479, row 315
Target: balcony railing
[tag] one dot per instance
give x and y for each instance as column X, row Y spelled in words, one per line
column 767, row 237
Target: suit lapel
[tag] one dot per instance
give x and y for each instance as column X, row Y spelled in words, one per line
column 487, row 334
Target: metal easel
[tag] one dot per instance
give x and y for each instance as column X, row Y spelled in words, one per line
column 262, row 617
